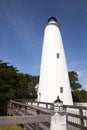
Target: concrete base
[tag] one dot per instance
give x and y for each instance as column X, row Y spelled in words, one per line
column 58, row 121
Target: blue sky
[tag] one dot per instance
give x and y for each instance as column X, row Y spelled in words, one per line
column 22, row 25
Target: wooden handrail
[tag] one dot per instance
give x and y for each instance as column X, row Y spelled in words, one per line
column 6, row 120
column 82, row 118
column 77, row 116
column 32, row 107
column 76, row 107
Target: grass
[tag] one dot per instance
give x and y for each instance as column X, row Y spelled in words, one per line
column 10, row 127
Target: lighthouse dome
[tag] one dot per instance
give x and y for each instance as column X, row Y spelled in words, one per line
column 52, row 19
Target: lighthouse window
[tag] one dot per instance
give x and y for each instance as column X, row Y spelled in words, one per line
column 61, row 89
column 57, row 55
column 40, row 94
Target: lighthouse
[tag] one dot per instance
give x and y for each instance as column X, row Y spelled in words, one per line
column 54, row 80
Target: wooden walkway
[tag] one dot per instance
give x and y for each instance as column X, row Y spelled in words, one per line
column 39, row 117
column 69, row 127
column 72, row 128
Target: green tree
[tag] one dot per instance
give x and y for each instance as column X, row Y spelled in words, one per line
column 83, row 95
column 8, row 80
column 73, row 77
column 8, row 76
column 79, row 94
column 26, row 88
column 15, row 85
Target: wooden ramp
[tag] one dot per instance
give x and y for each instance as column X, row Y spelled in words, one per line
column 75, row 115
column 72, row 128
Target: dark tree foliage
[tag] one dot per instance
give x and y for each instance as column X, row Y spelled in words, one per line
column 75, row 85
column 8, row 80
column 79, row 94
column 26, row 87
column 83, row 96
column 15, row 85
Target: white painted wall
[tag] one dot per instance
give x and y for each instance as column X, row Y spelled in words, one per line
column 58, row 121
column 53, row 72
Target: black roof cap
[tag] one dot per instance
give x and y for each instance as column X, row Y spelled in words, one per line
column 58, row 100
column 52, row 19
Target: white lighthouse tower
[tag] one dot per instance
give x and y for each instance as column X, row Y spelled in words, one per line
column 54, row 80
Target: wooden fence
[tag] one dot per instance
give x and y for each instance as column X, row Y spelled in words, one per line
column 77, row 116
column 38, row 115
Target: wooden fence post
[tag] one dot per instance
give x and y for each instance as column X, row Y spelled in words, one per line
column 9, row 108
column 10, row 105
column 13, row 107
column 25, row 113
column 18, row 108
column 37, row 124
column 46, row 106
column 37, row 104
column 81, row 119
